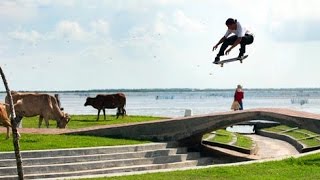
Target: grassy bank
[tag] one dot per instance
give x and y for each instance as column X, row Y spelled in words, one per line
column 222, row 136
column 225, row 137
column 243, row 141
column 82, row 121
column 301, row 168
column 42, row 141
column 297, row 134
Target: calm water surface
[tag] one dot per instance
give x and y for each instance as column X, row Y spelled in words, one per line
column 174, row 103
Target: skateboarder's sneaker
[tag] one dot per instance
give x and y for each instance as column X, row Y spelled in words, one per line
column 240, row 57
column 216, row 60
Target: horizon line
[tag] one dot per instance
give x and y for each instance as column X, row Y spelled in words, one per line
column 160, row 89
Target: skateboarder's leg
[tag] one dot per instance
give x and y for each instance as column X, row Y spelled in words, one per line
column 246, row 40
column 242, row 49
column 229, row 41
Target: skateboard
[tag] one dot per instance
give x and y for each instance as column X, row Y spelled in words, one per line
column 230, row 60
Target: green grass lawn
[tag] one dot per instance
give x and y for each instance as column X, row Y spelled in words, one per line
column 279, row 128
column 307, row 167
column 43, row 141
column 82, row 121
column 225, row 137
column 222, row 136
column 308, row 132
column 243, row 141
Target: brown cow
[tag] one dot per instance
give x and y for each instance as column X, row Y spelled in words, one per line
column 108, row 101
column 4, row 118
column 44, row 105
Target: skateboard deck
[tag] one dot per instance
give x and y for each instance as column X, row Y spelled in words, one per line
column 230, row 60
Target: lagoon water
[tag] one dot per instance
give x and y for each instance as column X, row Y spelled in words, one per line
column 174, row 102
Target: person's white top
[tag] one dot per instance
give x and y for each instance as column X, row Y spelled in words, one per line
column 240, row 31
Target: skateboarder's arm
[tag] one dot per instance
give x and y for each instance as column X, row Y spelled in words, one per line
column 234, row 45
column 220, row 41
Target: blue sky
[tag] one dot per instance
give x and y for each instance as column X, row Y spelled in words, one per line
column 102, row 44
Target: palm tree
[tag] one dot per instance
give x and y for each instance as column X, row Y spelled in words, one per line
column 15, row 133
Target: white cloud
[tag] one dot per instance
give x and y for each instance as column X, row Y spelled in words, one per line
column 100, row 26
column 179, row 22
column 276, row 10
column 163, row 25
column 186, row 23
column 16, row 10
column 295, row 20
column 72, row 30
column 23, row 10
column 139, row 5
column 294, row 10
column 31, row 37
column 39, row 3
column 103, row 52
column 67, row 3
column 165, row 35
column 285, row 20
column 125, row 5
column 3, row 49
column 160, row 27
column 140, row 42
column 167, row 2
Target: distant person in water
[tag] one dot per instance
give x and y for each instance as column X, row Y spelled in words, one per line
column 238, row 96
column 242, row 36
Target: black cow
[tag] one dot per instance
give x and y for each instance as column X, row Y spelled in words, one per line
column 108, row 101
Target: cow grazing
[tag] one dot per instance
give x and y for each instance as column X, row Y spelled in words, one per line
column 4, row 118
column 44, row 105
column 108, row 101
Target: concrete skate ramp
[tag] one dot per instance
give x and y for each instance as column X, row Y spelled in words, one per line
column 189, row 130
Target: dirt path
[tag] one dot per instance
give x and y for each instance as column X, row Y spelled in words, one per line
column 37, row 130
column 270, row 148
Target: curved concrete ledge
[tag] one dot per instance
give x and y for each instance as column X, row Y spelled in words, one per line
column 299, row 146
column 231, row 147
column 189, row 130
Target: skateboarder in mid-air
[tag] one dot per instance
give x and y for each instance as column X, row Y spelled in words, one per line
column 242, row 36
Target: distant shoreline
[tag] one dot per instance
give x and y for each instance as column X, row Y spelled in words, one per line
column 167, row 90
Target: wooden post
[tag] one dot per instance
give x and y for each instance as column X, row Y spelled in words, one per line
column 15, row 133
